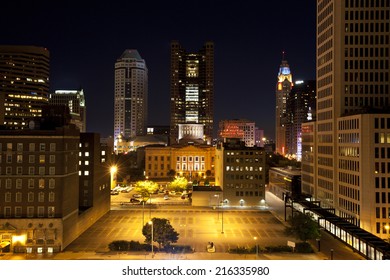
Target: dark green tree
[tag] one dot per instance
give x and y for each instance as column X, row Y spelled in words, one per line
column 163, row 232
column 303, row 227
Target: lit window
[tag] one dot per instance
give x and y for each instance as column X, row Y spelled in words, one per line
column 86, row 162
column 86, row 154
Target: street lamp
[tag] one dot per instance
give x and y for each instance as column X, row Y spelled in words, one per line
column 113, row 171
column 257, row 247
column 151, row 241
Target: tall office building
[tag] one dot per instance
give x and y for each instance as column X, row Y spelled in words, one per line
column 192, row 88
column 131, row 95
column 283, row 88
column 75, row 101
column 300, row 108
column 24, row 84
column 351, row 136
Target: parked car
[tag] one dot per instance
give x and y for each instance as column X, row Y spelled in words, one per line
column 114, row 192
column 166, row 197
column 134, row 200
column 137, row 195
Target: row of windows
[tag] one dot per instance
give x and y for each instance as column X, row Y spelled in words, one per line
column 30, row 197
column 380, row 123
column 249, row 193
column 360, row 102
column 31, row 212
column 360, row 64
column 250, row 153
column 31, row 183
column 244, row 168
column 366, row 52
column 380, row 167
column 349, row 206
column 242, row 160
column 380, row 182
column 367, row 15
column 380, row 197
column 368, row 40
column 366, row 3
column 349, row 138
column 385, row 212
column 32, row 147
column 381, row 138
column 368, row 27
column 382, row 152
column 381, row 228
column 349, row 124
column 349, row 192
column 41, row 159
column 367, row 77
column 349, row 151
column 349, row 165
column 244, row 177
column 190, row 167
column 31, row 170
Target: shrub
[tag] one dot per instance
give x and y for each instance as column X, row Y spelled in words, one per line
column 303, row 247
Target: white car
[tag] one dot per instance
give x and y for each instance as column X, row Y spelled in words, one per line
column 137, row 195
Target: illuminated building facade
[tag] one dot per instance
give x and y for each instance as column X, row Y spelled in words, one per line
column 191, row 161
column 75, row 101
column 131, row 95
column 192, row 89
column 24, row 84
column 242, row 129
column 283, row 88
column 240, row 171
column 352, row 134
column 300, row 108
column 54, row 184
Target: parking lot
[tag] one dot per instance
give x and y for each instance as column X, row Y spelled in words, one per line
column 226, row 228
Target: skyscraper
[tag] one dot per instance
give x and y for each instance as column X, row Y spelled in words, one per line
column 192, row 88
column 300, row 108
column 351, row 137
column 283, row 88
column 24, row 84
column 75, row 101
column 131, row 95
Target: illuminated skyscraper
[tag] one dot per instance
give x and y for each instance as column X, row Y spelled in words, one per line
column 131, row 95
column 301, row 107
column 192, row 89
column 283, row 88
column 351, row 137
column 24, row 84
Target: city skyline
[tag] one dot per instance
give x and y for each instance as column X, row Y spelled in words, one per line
column 84, row 42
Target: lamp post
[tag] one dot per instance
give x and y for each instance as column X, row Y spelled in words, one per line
column 222, row 214
column 113, row 171
column 257, row 247
column 151, row 241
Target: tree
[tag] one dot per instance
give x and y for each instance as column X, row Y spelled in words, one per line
column 146, row 188
column 163, row 232
column 303, row 227
column 178, row 185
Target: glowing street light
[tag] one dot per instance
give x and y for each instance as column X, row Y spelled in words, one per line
column 113, row 171
column 151, row 241
column 257, row 247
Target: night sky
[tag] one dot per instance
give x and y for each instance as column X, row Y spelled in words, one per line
column 85, row 39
